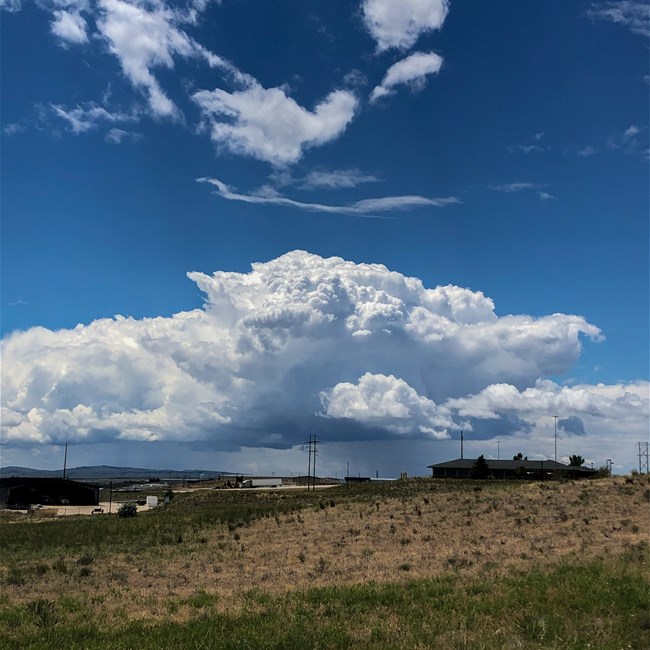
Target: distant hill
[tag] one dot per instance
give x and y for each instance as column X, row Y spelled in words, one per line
column 109, row 472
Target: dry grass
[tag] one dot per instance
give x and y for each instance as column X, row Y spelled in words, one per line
column 345, row 541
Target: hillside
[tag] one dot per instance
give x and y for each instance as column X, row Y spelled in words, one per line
column 231, row 557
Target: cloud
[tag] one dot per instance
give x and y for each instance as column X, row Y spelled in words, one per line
column 12, row 6
column 527, row 148
column 632, row 141
column 146, row 37
column 399, row 24
column 89, row 116
column 387, row 402
column 587, row 151
column 117, row 136
column 266, row 124
column 268, row 196
column 510, row 188
column 545, row 196
column 299, row 344
column 336, row 179
column 411, row 71
column 629, row 13
column 621, row 409
column 69, row 26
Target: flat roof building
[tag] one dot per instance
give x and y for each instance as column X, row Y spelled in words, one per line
column 16, row 491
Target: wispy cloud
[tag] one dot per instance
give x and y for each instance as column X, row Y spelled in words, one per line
column 587, row 151
column 510, row 188
column 335, row 179
column 364, row 207
column 117, row 136
column 513, row 188
column 412, row 71
column 88, row 116
column 628, row 13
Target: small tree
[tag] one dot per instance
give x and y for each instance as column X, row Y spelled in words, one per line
column 576, row 461
column 127, row 510
column 480, row 468
column 519, row 456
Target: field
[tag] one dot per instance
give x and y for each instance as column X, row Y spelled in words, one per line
column 411, row 564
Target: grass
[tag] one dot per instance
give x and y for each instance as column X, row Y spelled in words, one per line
column 421, row 563
column 596, row 605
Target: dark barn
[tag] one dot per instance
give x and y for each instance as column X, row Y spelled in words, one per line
column 18, row 491
column 510, row 469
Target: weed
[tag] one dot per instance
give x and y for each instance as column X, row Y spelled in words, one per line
column 43, row 611
column 85, row 559
column 15, row 576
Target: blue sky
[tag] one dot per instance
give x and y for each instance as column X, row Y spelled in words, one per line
column 500, row 148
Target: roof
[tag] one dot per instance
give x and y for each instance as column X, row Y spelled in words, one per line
column 537, row 465
column 16, row 481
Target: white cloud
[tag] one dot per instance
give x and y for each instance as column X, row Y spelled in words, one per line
column 269, row 196
column 387, row 402
column 545, row 196
column 89, row 116
column 629, row 13
column 266, row 124
column 69, row 26
column 275, row 349
column 399, row 24
column 141, row 40
column 412, row 71
column 336, row 179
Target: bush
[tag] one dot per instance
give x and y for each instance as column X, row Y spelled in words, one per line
column 127, row 510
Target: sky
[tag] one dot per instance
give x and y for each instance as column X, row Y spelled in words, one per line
column 230, row 225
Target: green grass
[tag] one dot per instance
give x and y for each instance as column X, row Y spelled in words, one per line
column 598, row 605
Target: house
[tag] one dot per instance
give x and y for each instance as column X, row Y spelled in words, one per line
column 510, row 469
column 20, row 491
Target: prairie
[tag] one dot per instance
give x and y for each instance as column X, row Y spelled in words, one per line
column 417, row 563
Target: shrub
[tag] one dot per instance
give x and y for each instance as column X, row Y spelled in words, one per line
column 127, row 510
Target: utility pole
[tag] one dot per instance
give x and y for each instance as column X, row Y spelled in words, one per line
column 309, row 465
column 315, row 442
column 461, row 444
column 609, row 466
column 643, row 457
column 65, row 460
column 555, row 437
column 498, row 450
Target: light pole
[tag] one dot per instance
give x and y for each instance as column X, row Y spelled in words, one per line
column 555, row 437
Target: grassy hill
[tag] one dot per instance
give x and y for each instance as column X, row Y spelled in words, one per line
column 419, row 563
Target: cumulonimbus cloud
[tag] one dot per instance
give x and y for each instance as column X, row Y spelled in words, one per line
column 299, row 344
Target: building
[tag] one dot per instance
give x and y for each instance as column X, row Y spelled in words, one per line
column 510, row 469
column 16, row 491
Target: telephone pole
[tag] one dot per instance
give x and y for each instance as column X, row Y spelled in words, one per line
column 555, row 437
